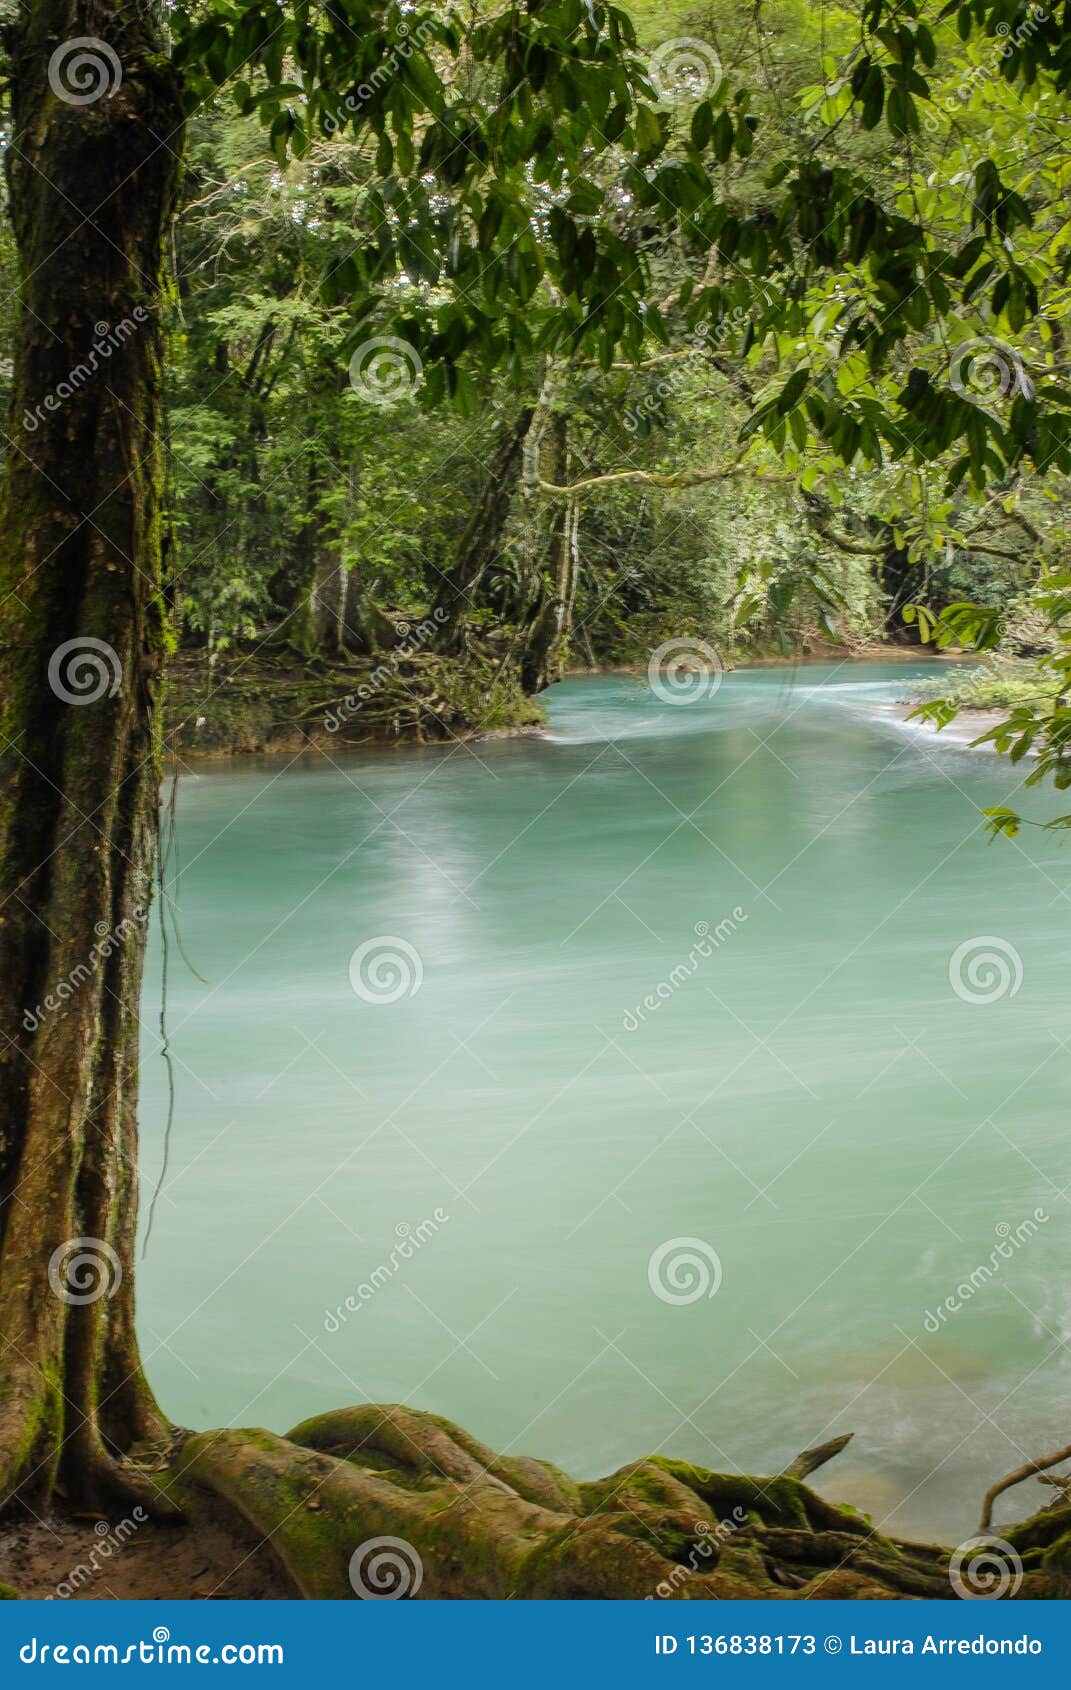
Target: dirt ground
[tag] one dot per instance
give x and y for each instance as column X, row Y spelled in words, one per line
column 85, row 1559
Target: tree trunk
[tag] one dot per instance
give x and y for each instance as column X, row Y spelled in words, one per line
column 93, row 172
column 541, row 662
column 481, row 541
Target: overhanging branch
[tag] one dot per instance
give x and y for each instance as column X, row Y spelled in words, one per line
column 653, row 478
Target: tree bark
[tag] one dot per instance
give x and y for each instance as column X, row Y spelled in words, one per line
column 93, row 185
column 551, row 622
column 481, row 540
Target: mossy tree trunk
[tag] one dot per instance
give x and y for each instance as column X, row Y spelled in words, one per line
column 552, row 618
column 481, row 541
column 82, row 635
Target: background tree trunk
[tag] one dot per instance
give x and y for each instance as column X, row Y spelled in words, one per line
column 481, row 540
column 552, row 619
column 93, row 176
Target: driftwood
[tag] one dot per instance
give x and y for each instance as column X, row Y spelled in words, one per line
column 812, row 1459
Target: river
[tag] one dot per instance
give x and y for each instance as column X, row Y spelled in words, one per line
column 701, row 972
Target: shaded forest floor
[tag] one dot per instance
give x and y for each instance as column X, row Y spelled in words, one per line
column 216, row 1556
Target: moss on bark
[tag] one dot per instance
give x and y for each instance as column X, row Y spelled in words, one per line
column 467, row 1523
column 82, row 639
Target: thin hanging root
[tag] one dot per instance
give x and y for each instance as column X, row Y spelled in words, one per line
column 1027, row 1471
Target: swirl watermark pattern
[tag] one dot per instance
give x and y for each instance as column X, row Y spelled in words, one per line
column 684, row 671
column 684, row 1270
column 983, row 1569
column 385, row 1569
column 985, row 969
column 83, row 1270
column 386, row 370
column 386, row 968
column 987, row 369
column 684, row 66
column 84, row 670
column 84, row 70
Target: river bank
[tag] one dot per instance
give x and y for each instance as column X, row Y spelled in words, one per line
column 964, row 731
column 262, row 702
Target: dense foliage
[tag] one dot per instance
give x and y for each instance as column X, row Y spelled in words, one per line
column 598, row 325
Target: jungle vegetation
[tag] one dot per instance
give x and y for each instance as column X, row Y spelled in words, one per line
column 529, row 326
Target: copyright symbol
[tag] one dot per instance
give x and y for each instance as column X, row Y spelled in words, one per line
column 833, row 1645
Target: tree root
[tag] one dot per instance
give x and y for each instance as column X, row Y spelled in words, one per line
column 1016, row 1478
column 386, row 1501
column 111, row 1484
column 253, row 703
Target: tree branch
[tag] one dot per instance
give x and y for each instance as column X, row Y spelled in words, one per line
column 811, row 1459
column 1016, row 1478
column 652, row 478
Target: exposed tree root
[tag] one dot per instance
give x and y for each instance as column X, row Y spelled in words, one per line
column 261, row 703
column 464, row 1522
column 1016, row 1478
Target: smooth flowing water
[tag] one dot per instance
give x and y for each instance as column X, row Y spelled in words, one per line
column 667, row 973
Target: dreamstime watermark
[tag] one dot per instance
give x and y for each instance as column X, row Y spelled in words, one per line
column 385, row 370
column 406, row 42
column 385, row 1569
column 684, row 1270
column 110, row 338
column 708, row 1540
column 985, row 969
column 157, row 1651
column 386, row 968
column 83, row 670
column 707, row 942
column 684, row 67
column 684, row 671
column 1010, row 1239
column 985, row 1569
column 112, row 1539
column 975, row 78
column 83, row 1270
column 111, row 940
column 413, row 640
column 84, row 70
column 704, row 342
column 410, row 1240
column 988, row 369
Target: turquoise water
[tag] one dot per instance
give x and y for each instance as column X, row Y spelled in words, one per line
column 486, row 1165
